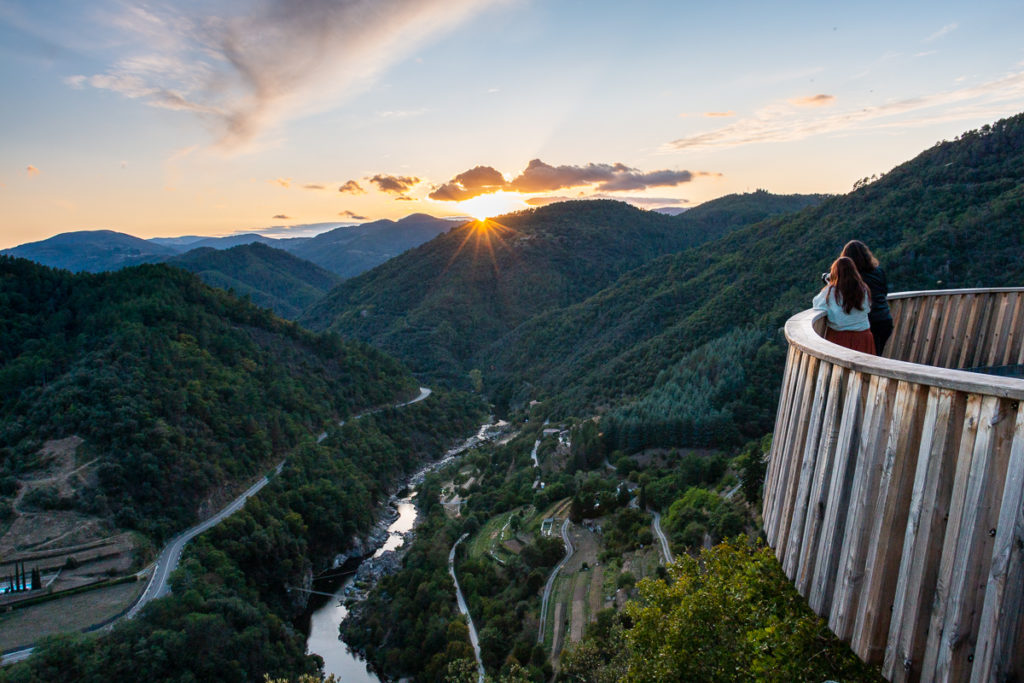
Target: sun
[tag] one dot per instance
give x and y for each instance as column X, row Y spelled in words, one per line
column 495, row 204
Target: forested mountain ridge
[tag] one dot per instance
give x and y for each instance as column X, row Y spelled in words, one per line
column 438, row 305
column 689, row 347
column 269, row 277
column 92, row 251
column 177, row 389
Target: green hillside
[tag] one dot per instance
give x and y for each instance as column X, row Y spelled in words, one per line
column 177, row 389
column 688, row 347
column 269, row 277
column 438, row 305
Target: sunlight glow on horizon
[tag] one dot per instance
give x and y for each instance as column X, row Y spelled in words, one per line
column 494, row 204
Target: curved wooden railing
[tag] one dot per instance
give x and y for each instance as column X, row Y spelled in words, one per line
column 895, row 490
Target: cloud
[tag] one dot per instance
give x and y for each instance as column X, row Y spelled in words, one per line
column 252, row 66
column 782, row 122
column 542, row 177
column 636, row 201
column 819, row 100
column 313, row 186
column 283, row 182
column 353, row 216
column 719, row 114
column 31, row 171
column 394, row 184
column 468, row 184
column 944, row 31
column 281, row 217
column 352, row 187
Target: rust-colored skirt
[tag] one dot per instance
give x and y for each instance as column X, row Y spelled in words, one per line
column 858, row 341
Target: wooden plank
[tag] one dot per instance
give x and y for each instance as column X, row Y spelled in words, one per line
column 994, row 658
column 971, row 331
column 959, row 330
column 996, row 346
column 785, row 454
column 905, row 332
column 935, row 320
column 979, row 342
column 957, row 501
column 808, row 465
column 774, row 458
column 921, row 313
column 834, row 520
column 947, row 334
column 885, row 540
column 863, row 505
column 972, row 553
column 1016, row 332
column 796, row 450
column 923, row 539
column 818, row 498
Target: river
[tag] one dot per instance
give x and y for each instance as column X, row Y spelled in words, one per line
column 324, row 623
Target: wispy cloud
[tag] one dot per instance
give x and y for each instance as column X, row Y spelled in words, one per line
column 31, row 171
column 783, row 122
column 944, row 31
column 249, row 68
column 312, row 186
column 353, row 216
column 282, row 182
column 636, row 201
column 820, row 100
column 719, row 114
column 281, row 217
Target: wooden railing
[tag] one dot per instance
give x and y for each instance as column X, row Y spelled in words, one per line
column 895, row 490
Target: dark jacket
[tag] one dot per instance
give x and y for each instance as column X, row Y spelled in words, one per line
column 875, row 280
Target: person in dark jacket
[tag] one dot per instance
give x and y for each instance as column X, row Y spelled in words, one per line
column 874, row 278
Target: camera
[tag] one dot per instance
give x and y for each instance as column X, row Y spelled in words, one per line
column 824, row 278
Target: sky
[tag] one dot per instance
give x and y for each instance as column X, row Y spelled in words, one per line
column 213, row 117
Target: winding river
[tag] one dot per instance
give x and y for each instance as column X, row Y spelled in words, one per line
column 324, row 638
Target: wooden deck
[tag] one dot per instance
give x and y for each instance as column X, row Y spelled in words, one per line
column 895, row 492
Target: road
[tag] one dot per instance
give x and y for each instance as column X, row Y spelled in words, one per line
column 656, row 525
column 170, row 556
column 464, row 608
column 551, row 581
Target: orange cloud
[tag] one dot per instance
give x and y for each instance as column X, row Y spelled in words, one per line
column 283, row 182
column 31, row 170
column 394, row 184
column 353, row 216
column 820, row 100
column 281, row 217
column 312, row 186
column 352, row 187
column 719, row 114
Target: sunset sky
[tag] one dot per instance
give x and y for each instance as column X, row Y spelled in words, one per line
column 209, row 117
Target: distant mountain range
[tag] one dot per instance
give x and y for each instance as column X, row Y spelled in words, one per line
column 345, row 250
column 286, row 275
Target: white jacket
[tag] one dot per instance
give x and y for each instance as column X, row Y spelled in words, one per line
column 828, row 300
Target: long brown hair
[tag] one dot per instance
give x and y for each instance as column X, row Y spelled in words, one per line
column 861, row 256
column 850, row 288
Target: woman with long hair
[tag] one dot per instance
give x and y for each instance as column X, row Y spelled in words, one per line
column 846, row 300
column 874, row 277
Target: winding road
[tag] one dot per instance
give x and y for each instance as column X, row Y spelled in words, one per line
column 656, row 525
column 170, row 556
column 464, row 608
column 569, row 550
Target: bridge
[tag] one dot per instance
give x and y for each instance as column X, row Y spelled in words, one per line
column 894, row 498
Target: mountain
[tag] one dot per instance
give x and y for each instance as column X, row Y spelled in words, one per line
column 439, row 305
column 269, row 277
column 176, row 390
column 92, row 251
column 226, row 242
column 349, row 251
column 688, row 347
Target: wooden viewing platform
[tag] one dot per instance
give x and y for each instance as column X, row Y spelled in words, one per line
column 894, row 497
